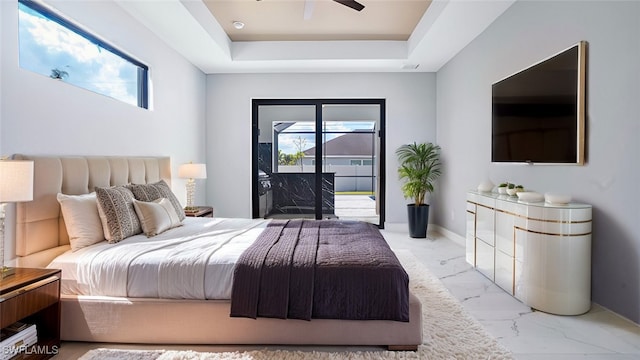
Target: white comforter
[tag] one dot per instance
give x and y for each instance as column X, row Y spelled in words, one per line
column 194, row 261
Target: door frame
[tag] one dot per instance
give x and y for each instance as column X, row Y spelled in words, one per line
column 255, row 105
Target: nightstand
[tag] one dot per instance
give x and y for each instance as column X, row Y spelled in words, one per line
column 203, row 211
column 32, row 296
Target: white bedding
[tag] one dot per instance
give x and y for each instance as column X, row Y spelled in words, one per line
column 193, row 261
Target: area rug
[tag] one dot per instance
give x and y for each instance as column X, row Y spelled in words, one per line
column 449, row 332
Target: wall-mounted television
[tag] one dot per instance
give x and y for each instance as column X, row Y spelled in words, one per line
column 538, row 114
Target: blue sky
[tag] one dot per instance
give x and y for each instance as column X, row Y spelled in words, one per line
column 287, row 139
column 47, row 45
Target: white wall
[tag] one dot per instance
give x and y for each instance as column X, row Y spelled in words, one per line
column 2, row 47
column 410, row 116
column 39, row 115
column 526, row 33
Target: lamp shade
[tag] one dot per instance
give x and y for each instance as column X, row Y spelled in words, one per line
column 192, row 171
column 16, row 181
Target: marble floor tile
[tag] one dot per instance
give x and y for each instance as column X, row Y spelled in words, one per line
column 529, row 334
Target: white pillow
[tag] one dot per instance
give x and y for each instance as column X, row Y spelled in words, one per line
column 156, row 216
column 80, row 213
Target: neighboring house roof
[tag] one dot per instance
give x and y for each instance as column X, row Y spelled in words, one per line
column 353, row 143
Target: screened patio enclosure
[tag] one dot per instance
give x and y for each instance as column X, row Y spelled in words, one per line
column 318, row 159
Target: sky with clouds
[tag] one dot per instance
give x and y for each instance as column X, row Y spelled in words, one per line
column 46, row 45
column 287, row 140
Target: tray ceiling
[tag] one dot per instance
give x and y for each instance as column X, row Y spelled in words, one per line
column 316, row 35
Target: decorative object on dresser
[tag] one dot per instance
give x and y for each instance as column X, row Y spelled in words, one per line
column 191, row 172
column 557, row 199
column 486, row 186
column 200, row 211
column 419, row 168
column 16, row 185
column 530, row 196
column 509, row 188
column 31, row 300
column 538, row 252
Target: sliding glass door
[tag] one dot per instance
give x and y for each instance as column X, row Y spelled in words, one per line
column 319, row 159
column 350, row 152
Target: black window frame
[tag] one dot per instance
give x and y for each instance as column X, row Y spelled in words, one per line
column 318, row 103
column 143, row 70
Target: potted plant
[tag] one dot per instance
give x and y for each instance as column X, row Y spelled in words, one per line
column 502, row 188
column 419, row 169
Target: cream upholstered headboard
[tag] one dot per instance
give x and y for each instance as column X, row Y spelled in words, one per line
column 41, row 234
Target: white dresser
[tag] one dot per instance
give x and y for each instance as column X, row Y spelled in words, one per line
column 537, row 252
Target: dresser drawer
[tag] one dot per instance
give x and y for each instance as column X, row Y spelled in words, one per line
column 26, row 301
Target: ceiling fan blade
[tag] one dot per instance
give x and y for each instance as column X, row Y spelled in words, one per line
column 308, row 8
column 351, row 3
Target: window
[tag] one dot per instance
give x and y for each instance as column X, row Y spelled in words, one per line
column 357, row 162
column 53, row 46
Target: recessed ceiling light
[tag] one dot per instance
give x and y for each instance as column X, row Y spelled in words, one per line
column 238, row 25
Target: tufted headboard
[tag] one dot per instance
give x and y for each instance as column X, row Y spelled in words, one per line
column 41, row 234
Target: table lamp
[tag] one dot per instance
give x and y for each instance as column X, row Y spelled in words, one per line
column 192, row 171
column 16, row 185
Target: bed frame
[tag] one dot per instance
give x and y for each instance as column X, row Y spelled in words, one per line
column 41, row 236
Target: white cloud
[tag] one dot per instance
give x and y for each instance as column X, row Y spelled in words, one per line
column 57, row 39
column 287, row 139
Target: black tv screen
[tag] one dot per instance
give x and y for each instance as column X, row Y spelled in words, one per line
column 538, row 113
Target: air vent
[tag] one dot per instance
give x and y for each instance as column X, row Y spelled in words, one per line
column 410, row 66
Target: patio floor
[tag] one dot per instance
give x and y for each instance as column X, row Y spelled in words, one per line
column 347, row 207
column 356, row 207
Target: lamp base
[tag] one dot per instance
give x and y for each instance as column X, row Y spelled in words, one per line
column 7, row 271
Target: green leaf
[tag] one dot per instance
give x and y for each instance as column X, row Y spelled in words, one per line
column 419, row 169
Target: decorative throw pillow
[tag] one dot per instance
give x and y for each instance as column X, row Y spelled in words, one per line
column 156, row 216
column 160, row 189
column 119, row 219
column 80, row 213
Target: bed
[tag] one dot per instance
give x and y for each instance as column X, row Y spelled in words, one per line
column 42, row 240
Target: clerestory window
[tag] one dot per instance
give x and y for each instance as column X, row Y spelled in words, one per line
column 54, row 46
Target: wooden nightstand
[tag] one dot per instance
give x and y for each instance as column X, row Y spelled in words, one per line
column 203, row 211
column 32, row 296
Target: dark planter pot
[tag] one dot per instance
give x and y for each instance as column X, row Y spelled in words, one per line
column 418, row 220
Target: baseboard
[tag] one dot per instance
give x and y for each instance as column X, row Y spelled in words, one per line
column 622, row 317
column 396, row 227
column 404, row 228
column 460, row 240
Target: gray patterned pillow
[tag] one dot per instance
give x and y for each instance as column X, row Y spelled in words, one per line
column 119, row 219
column 155, row 191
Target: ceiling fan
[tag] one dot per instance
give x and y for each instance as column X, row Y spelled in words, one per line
column 309, row 4
column 351, row 3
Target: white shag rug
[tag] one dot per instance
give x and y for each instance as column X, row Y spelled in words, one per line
column 449, row 332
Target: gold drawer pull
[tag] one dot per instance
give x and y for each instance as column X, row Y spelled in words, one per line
column 29, row 287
